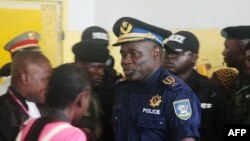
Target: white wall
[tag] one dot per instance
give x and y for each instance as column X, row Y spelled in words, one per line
column 205, row 18
column 170, row 14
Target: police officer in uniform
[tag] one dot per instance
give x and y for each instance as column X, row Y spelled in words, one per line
column 90, row 56
column 150, row 103
column 106, row 89
column 180, row 59
column 236, row 38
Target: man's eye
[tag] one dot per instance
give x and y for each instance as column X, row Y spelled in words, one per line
column 135, row 53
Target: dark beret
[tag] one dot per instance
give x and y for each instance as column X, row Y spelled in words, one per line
column 96, row 33
column 236, row 32
column 90, row 51
column 128, row 29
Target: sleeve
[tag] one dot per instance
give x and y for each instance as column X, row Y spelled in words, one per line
column 183, row 114
column 6, row 130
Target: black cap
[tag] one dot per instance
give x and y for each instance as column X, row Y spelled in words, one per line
column 236, row 32
column 128, row 30
column 90, row 51
column 96, row 33
column 182, row 41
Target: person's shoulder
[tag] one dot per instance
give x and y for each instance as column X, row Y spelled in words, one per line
column 70, row 132
column 3, row 98
column 173, row 82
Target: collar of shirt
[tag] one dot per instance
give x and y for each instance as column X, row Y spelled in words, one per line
column 20, row 97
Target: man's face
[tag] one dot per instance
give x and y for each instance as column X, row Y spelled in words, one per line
column 95, row 71
column 38, row 81
column 248, row 61
column 138, row 61
column 179, row 63
column 233, row 53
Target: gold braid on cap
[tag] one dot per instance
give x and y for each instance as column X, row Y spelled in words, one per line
column 137, row 37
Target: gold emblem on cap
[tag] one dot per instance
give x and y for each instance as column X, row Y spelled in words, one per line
column 169, row 80
column 155, row 101
column 126, row 27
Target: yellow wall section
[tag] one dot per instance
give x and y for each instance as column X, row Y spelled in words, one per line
column 14, row 22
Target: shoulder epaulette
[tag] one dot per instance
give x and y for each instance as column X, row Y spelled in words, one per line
column 170, row 82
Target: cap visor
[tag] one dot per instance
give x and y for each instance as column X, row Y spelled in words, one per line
column 174, row 47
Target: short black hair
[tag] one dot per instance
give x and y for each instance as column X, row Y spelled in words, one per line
column 66, row 83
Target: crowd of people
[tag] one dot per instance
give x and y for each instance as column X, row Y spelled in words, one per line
column 159, row 97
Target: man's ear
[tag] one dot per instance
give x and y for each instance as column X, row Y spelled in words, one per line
column 156, row 51
column 24, row 77
column 194, row 58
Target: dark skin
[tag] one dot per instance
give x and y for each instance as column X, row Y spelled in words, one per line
column 234, row 55
column 140, row 59
column 248, row 60
column 30, row 75
column 95, row 71
column 180, row 64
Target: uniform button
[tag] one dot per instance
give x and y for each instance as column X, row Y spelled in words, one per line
column 160, row 122
column 116, row 117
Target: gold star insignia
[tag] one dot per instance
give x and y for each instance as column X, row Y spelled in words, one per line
column 155, row 101
column 126, row 27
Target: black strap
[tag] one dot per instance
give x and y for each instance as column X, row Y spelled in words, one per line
column 37, row 127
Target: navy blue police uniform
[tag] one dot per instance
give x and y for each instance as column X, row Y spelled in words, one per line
column 162, row 108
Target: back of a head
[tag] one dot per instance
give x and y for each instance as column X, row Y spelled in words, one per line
column 65, row 84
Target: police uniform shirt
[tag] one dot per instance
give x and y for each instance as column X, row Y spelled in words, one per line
column 240, row 100
column 214, row 108
column 12, row 115
column 163, row 108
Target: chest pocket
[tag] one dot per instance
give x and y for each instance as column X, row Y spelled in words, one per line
column 151, row 121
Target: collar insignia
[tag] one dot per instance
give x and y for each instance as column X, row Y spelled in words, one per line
column 169, row 81
column 126, row 27
column 155, row 101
